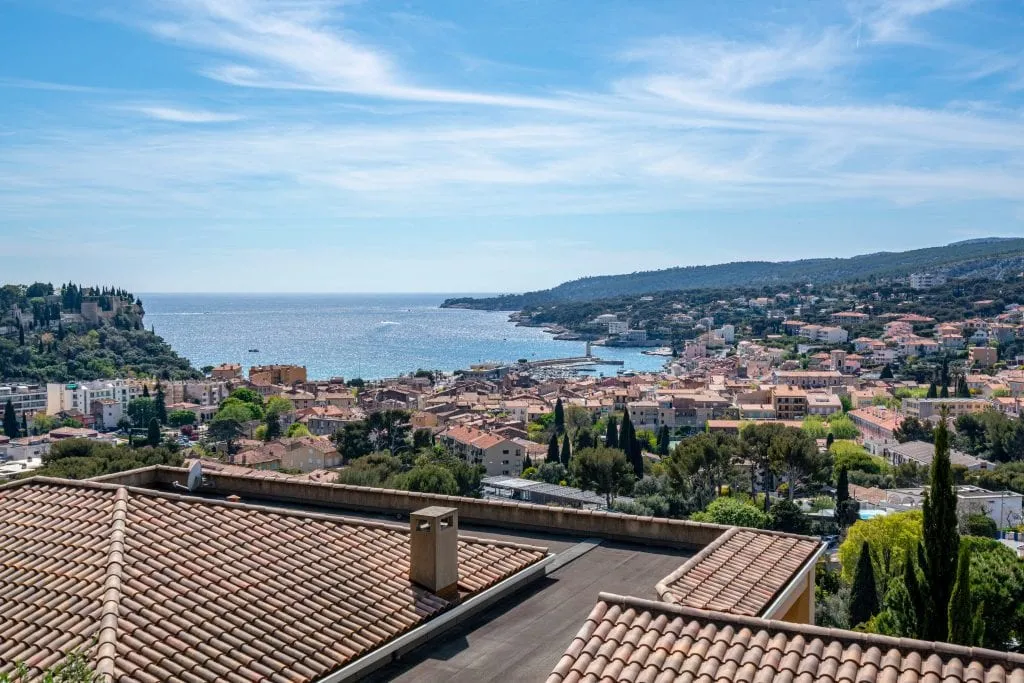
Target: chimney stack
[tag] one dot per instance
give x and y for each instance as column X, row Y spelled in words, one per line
column 434, row 550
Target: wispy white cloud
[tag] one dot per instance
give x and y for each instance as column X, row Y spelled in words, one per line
column 180, row 115
column 893, row 21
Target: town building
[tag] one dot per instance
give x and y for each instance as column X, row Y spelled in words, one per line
column 926, row 280
column 79, row 396
column 26, row 398
column 227, row 372
column 277, row 374
column 809, row 379
column 929, row 408
column 983, row 356
column 789, row 403
column 499, row 456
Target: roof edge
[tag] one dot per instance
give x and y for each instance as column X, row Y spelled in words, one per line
column 662, row 587
column 904, row 645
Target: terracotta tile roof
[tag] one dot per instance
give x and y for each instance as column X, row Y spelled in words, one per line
column 741, row 572
column 627, row 639
column 161, row 587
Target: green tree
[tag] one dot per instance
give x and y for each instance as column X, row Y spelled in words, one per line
column 153, row 433
column 552, row 473
column 886, row 372
column 179, row 418
column 430, row 478
column 933, row 391
column 228, row 423
column 980, row 525
column 787, row 516
column 940, row 535
column 559, row 416
column 965, row 622
column 141, row 411
column 43, row 423
column 422, row 438
column 297, row 429
column 759, row 438
column 160, row 405
column 864, row 602
column 353, row 440
column 566, row 454
column 603, row 471
column 944, row 392
column 914, row 609
column 797, row 454
column 11, row 428
column 664, row 440
column 553, row 454
column 611, row 438
column 913, row 429
column 891, row 536
column 733, row 512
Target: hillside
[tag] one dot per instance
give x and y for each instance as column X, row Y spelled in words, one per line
column 992, row 257
column 79, row 333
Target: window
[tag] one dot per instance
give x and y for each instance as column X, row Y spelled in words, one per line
column 505, row 452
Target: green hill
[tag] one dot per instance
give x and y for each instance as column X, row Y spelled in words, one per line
column 991, row 257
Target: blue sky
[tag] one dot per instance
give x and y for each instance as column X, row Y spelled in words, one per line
column 445, row 145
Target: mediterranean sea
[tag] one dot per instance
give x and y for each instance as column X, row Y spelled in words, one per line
column 355, row 335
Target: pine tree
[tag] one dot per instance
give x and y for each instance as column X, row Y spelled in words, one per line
column 611, row 437
column 153, row 433
column 566, row 450
column 961, row 613
column 864, row 592
column 553, row 449
column 559, row 416
column 664, row 440
column 10, row 421
column 933, row 391
column 941, row 537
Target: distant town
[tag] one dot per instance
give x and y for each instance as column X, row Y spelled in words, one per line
column 828, row 413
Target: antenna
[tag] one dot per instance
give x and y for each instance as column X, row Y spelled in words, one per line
column 195, row 477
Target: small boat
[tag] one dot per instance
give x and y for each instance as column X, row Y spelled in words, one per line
column 254, row 350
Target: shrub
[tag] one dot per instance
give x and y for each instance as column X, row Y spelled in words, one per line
column 733, row 512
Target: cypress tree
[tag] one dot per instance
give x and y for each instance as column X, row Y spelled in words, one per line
column 664, row 439
column 584, row 439
column 566, row 450
column 933, row 391
column 611, row 437
column 24, row 425
column 626, row 433
column 829, row 440
column 145, row 391
column 864, row 592
column 21, row 335
column 941, row 537
column 153, row 433
column 961, row 614
column 886, row 372
column 10, row 421
column 945, row 392
column 160, row 406
column 962, row 390
column 527, row 463
column 559, row 416
column 553, row 448
column 917, row 598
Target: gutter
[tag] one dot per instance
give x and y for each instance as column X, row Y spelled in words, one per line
column 794, row 586
column 406, row 643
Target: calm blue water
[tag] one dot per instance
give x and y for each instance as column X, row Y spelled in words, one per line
column 353, row 335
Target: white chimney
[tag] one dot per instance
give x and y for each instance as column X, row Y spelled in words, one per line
column 434, row 550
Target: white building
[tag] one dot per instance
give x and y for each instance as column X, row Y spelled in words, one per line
column 26, row 398
column 617, row 327
column 81, row 395
column 927, row 280
column 727, row 333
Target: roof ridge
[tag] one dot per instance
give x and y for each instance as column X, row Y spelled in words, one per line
column 903, row 645
column 106, row 651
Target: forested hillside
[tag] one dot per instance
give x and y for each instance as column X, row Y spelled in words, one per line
column 992, row 258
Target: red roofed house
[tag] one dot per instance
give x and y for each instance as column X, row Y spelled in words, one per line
column 500, row 456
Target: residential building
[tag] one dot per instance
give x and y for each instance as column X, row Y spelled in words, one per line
column 227, row 372
column 107, row 412
column 498, row 455
column 927, row 280
column 79, row 396
column 876, row 422
column 638, row 337
column 823, row 404
column 645, row 414
column 928, row 408
column 983, row 356
column 277, row 374
column 789, row 402
column 923, row 453
column 26, row 398
column 304, row 453
column 809, row 379
column 617, row 327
